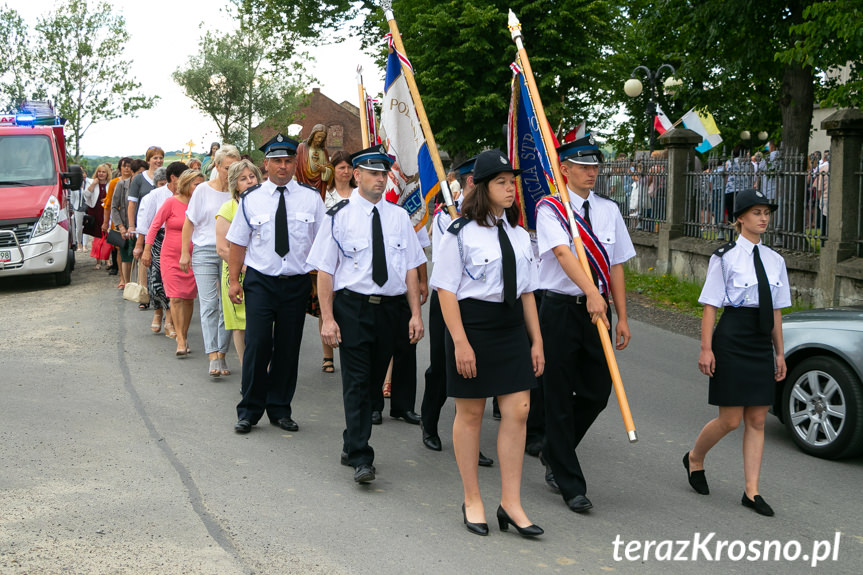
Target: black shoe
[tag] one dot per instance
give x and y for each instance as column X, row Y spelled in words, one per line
column 549, row 476
column 495, row 409
column 504, row 521
column 485, row 461
column 377, row 418
column 112, row 271
column 343, row 459
column 579, row 504
column 475, row 528
column 533, row 448
column 432, row 442
column 758, row 504
column 243, row 426
column 364, row 473
column 286, row 423
column 697, row 479
column 410, row 416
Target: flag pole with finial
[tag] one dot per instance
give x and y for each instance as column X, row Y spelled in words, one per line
column 517, row 37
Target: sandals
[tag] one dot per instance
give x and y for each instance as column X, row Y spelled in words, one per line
column 143, row 306
column 121, row 286
column 223, row 367
column 169, row 331
column 327, row 366
column 215, row 368
column 181, row 353
column 156, row 327
column 97, row 267
column 388, row 388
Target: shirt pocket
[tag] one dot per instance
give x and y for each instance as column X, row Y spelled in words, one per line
column 744, row 288
column 608, row 239
column 301, row 227
column 357, row 249
column 262, row 227
column 397, row 255
column 483, row 262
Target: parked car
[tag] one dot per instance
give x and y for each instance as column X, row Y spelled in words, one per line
column 35, row 225
column 821, row 399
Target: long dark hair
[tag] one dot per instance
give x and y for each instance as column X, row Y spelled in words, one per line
column 477, row 207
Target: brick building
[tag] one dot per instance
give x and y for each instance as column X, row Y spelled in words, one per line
column 342, row 122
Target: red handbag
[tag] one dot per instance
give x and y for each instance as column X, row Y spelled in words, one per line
column 101, row 249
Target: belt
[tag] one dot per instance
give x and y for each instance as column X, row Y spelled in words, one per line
column 286, row 277
column 576, row 299
column 375, row 299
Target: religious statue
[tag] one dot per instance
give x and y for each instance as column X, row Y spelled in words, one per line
column 313, row 164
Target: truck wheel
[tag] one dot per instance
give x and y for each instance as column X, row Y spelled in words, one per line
column 64, row 278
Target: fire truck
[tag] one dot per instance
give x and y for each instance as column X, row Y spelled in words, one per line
column 35, row 218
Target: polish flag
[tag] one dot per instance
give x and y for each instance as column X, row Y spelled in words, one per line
column 661, row 121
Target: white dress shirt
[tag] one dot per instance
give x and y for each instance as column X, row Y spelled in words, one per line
column 254, row 227
column 475, row 269
column 737, row 285
column 148, row 207
column 203, row 207
column 343, row 247
column 608, row 226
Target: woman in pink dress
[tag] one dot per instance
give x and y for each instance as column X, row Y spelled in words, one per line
column 179, row 286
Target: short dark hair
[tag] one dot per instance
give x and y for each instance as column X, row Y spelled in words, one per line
column 175, row 169
column 339, row 157
column 123, row 162
column 477, row 207
column 137, row 164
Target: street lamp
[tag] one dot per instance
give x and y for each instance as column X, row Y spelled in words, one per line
column 633, row 88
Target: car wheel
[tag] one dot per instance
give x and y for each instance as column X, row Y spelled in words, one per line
column 822, row 406
column 64, row 278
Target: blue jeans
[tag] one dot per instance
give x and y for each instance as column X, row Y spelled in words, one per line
column 207, row 267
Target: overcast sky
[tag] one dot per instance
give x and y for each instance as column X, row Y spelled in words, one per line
column 164, row 35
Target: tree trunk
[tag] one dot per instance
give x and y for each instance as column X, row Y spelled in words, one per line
column 796, row 99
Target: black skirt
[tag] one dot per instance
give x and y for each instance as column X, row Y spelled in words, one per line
column 744, row 361
column 498, row 336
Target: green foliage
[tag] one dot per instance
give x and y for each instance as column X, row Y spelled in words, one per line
column 667, row 291
column 16, row 60
column 830, row 37
column 461, row 51
column 80, row 61
column 232, row 80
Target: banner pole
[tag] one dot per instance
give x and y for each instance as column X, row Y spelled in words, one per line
column 364, row 118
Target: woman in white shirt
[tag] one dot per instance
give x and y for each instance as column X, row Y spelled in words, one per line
column 485, row 275
column 200, row 228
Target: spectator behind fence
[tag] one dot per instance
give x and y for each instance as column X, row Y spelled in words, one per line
column 200, row 228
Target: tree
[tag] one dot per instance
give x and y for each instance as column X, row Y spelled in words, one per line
column 16, row 60
column 82, row 64
column 461, row 51
column 830, row 40
column 232, row 80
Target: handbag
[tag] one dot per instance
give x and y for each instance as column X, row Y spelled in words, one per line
column 116, row 239
column 101, row 249
column 134, row 291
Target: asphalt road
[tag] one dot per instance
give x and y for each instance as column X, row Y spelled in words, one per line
column 119, row 458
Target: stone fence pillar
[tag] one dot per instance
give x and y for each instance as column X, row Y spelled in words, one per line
column 845, row 128
column 680, row 143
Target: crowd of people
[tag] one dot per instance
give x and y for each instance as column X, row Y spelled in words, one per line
column 513, row 314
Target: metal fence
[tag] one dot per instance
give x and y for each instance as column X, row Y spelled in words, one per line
column 801, row 191
column 859, row 175
column 639, row 188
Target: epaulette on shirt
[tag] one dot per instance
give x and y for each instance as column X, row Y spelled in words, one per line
column 333, row 210
column 456, row 226
column 250, row 190
column 314, row 189
column 724, row 249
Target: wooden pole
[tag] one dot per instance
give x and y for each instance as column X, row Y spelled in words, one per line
column 421, row 112
column 515, row 29
column 364, row 118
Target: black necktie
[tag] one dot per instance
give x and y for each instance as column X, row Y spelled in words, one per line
column 283, row 244
column 379, row 254
column 765, row 299
column 587, row 213
column 508, row 257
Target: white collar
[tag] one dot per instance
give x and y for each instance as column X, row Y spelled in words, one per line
column 746, row 244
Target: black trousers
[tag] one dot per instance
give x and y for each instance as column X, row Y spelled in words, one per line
column 369, row 332
column 275, row 315
column 434, row 395
column 577, row 386
column 536, row 415
column 404, row 383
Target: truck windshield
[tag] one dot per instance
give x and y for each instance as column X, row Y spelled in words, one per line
column 26, row 160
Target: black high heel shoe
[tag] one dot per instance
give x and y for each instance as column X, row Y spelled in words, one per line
column 504, row 521
column 475, row 528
